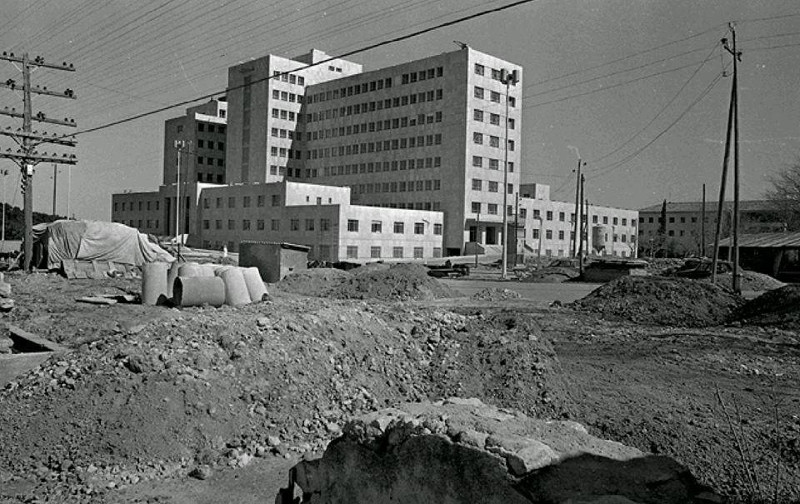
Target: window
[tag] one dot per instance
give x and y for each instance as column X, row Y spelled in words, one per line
column 246, row 224
column 377, row 226
column 475, row 207
column 477, row 138
column 477, row 115
column 325, row 224
column 495, row 96
column 494, row 164
column 231, row 202
column 478, row 92
column 562, row 216
column 493, row 186
column 260, row 200
column 561, row 235
column 294, row 225
column 206, row 224
column 548, row 234
column 352, row 225
column 352, row 252
column 494, row 141
column 492, row 210
column 549, row 215
column 260, row 224
column 418, row 252
column 246, row 201
column 477, row 161
column 309, row 224
column 419, row 228
column 399, row 228
column 276, row 199
column 479, row 69
column 494, row 119
column 477, row 184
column 615, row 221
column 397, row 252
column 231, row 224
column 275, row 225
column 218, row 224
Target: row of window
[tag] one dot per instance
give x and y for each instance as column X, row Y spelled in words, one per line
column 491, row 208
column 379, row 146
column 150, row 224
column 130, row 205
column 288, row 115
column 494, row 141
column 549, row 215
column 494, row 119
column 211, row 128
column 378, row 166
column 372, row 127
column 671, row 220
column 548, row 235
column 492, row 164
column 430, row 73
column 418, row 205
column 217, row 178
column 495, row 73
column 275, row 200
column 286, row 96
column 355, row 89
column 372, row 106
column 492, row 186
column 376, row 252
column 376, row 227
column 209, row 144
column 494, row 96
column 289, row 77
column 210, row 161
column 399, row 186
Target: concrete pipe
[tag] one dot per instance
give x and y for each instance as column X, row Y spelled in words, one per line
column 197, row 291
column 190, row 269
column 207, row 270
column 154, row 283
column 255, row 285
column 236, row 293
column 174, row 268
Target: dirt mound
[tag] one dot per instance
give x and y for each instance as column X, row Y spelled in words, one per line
column 551, row 275
column 663, row 265
column 752, row 281
column 313, row 282
column 495, row 294
column 662, row 301
column 399, row 282
column 779, row 308
column 217, row 386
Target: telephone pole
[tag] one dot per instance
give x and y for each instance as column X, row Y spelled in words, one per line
column 579, row 228
column 703, row 225
column 507, row 78
column 577, row 202
column 26, row 157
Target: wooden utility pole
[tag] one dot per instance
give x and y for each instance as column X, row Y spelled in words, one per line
column 723, row 182
column 577, row 203
column 737, row 285
column 507, row 78
column 55, row 186
column 703, row 225
column 579, row 234
column 27, row 157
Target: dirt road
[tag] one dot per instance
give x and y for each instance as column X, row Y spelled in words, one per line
column 540, row 293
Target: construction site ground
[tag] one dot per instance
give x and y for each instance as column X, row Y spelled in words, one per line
column 160, row 405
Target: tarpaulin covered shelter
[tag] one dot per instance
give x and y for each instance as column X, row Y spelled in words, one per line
column 67, row 240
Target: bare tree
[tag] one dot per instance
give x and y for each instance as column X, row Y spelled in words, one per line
column 785, row 195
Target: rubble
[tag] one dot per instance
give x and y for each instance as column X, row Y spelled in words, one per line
column 463, row 451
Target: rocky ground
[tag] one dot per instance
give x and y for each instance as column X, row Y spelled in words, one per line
column 152, row 402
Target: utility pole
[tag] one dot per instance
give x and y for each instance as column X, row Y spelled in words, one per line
column 4, row 173
column 180, row 145
column 27, row 157
column 579, row 234
column 723, row 182
column 506, row 78
column 703, row 225
column 733, row 127
column 55, row 186
column 577, row 202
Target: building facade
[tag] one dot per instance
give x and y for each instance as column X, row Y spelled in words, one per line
column 320, row 217
column 683, row 230
column 546, row 227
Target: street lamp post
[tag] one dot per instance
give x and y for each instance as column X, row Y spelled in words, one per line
column 506, row 78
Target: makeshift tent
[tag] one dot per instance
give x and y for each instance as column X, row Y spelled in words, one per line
column 65, row 240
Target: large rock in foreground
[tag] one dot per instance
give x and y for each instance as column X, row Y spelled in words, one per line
column 463, row 451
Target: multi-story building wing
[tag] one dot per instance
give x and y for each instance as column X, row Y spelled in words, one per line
column 264, row 109
column 203, row 131
column 426, row 135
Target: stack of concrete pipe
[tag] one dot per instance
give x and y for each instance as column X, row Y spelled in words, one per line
column 192, row 284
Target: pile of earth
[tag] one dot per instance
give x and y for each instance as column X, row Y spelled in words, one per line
column 555, row 274
column 399, row 282
column 663, row 265
column 220, row 386
column 777, row 308
column 313, row 282
column 662, row 301
column 751, row 281
column 496, row 294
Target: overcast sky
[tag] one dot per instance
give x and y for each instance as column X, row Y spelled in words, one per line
column 634, row 85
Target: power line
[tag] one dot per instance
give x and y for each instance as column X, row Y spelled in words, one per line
column 770, row 18
column 322, row 62
column 715, row 27
column 623, row 83
column 658, row 114
column 605, row 170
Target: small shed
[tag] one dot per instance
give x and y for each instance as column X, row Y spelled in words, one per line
column 273, row 260
column 776, row 254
